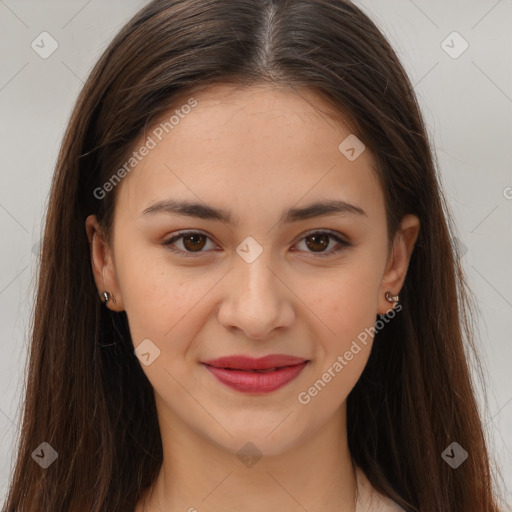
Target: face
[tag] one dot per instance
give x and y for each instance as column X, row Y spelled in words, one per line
column 255, row 271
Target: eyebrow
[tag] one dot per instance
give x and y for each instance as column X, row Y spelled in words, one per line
column 204, row 211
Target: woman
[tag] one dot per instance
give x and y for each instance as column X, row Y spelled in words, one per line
column 248, row 294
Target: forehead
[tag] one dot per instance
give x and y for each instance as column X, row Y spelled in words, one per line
column 254, row 110
column 253, row 146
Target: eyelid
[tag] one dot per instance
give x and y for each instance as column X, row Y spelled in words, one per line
column 342, row 242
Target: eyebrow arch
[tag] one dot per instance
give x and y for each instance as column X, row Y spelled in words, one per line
column 204, row 211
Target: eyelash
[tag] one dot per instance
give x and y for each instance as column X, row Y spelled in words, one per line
column 342, row 243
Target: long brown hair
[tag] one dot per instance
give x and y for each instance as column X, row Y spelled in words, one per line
column 86, row 394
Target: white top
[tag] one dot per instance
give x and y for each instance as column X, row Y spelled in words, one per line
column 370, row 500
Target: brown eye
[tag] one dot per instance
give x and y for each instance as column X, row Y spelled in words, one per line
column 319, row 241
column 192, row 243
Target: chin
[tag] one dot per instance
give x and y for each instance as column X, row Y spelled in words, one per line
column 257, row 442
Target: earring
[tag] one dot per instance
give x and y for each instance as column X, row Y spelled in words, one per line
column 391, row 298
column 106, row 297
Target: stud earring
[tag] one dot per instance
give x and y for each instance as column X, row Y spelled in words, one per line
column 106, row 297
column 391, row 298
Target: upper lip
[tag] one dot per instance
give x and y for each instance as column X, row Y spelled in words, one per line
column 239, row 362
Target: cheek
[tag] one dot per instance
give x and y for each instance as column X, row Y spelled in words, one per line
column 155, row 295
column 348, row 307
column 348, row 301
column 347, row 304
column 165, row 303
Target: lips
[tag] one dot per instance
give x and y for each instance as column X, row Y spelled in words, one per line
column 260, row 375
column 248, row 363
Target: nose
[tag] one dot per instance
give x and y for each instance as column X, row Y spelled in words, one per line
column 257, row 300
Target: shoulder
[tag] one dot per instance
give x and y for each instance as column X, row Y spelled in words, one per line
column 369, row 500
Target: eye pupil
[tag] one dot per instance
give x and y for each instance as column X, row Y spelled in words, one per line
column 321, row 241
column 193, row 237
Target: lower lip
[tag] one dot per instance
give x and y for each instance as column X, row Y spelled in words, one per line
column 256, row 382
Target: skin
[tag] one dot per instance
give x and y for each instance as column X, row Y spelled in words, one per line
column 255, row 151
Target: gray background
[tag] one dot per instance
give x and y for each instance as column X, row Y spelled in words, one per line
column 466, row 101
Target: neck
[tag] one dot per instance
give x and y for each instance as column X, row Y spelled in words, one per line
column 197, row 474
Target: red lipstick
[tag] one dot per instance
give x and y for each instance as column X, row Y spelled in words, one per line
column 261, row 375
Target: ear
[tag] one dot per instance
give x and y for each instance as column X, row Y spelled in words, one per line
column 398, row 261
column 102, row 262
